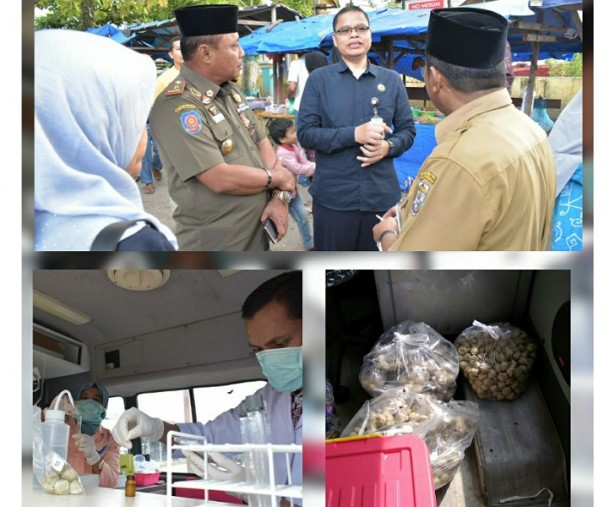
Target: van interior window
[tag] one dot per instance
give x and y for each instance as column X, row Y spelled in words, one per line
column 115, row 408
column 212, row 401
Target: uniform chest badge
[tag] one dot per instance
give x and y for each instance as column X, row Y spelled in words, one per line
column 421, row 194
column 381, row 88
column 245, row 120
column 191, row 122
column 195, row 92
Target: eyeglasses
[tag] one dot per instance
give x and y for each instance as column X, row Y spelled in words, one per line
column 347, row 30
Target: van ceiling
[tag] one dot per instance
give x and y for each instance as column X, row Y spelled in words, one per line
column 188, row 296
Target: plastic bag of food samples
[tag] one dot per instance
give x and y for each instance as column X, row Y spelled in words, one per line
column 447, row 427
column 53, row 473
column 413, row 355
column 451, row 433
column 396, row 411
column 496, row 359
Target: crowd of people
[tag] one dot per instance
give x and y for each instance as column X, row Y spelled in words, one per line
column 489, row 184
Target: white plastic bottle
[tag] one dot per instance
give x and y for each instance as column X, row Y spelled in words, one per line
column 55, row 431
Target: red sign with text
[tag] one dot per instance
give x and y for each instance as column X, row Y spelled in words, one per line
column 426, row 4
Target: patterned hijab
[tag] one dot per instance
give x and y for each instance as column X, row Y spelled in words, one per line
column 92, row 99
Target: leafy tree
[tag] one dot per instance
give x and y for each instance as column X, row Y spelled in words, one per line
column 83, row 14
column 572, row 68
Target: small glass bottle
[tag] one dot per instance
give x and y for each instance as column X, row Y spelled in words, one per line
column 130, row 485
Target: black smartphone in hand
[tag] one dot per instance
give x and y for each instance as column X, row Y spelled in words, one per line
column 271, row 230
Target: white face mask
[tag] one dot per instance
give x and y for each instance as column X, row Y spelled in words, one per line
column 282, row 367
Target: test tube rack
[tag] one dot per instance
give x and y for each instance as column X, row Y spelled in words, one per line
column 273, row 490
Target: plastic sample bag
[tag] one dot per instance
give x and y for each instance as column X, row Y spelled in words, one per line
column 332, row 425
column 540, row 115
column 396, row 411
column 53, row 473
column 448, row 438
column 496, row 359
column 412, row 355
column 446, row 428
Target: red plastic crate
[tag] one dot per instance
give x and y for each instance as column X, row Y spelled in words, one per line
column 146, row 479
column 379, row 472
column 216, row 496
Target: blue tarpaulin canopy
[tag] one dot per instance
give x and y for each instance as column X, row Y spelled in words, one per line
column 552, row 29
column 154, row 37
column 404, row 31
column 111, row 31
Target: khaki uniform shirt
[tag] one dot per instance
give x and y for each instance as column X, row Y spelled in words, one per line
column 488, row 185
column 198, row 125
column 164, row 79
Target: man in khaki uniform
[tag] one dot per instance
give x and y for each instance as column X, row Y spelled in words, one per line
column 490, row 182
column 169, row 75
column 223, row 172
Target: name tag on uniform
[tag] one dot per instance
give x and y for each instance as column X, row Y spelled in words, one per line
column 242, row 107
column 218, row 118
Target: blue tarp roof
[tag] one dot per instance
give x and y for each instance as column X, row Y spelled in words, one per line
column 406, row 28
column 111, row 31
column 154, row 36
column 289, row 37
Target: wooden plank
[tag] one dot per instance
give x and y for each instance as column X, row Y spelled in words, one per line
column 518, row 451
column 549, row 103
column 538, row 27
column 532, row 37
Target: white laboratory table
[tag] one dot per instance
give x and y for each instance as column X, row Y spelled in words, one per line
column 107, row 497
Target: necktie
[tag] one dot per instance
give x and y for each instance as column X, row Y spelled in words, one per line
column 296, row 406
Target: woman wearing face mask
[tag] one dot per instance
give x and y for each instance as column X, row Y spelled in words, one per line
column 272, row 316
column 93, row 451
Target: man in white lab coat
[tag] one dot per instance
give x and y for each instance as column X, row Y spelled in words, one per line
column 272, row 314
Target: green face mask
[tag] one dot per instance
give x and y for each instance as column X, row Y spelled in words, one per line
column 282, row 367
column 92, row 413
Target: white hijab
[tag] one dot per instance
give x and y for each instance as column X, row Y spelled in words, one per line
column 92, row 99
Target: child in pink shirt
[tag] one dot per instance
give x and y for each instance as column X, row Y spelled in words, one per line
column 283, row 133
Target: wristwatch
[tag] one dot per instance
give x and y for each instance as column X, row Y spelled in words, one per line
column 391, row 145
column 384, row 234
column 283, row 195
column 98, row 466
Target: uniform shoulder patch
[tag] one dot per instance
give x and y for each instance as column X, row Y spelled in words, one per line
column 175, row 88
column 428, row 176
column 421, row 194
column 191, row 121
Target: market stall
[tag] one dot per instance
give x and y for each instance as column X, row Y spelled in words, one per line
column 543, row 29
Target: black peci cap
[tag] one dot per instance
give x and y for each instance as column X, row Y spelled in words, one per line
column 467, row 37
column 207, row 19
